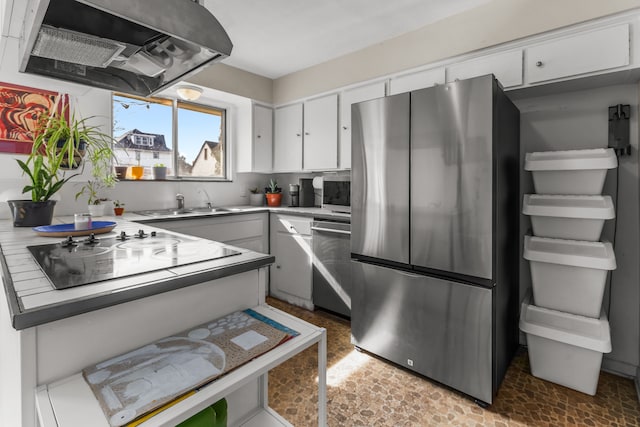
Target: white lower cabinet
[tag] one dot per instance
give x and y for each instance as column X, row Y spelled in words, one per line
column 292, row 272
column 248, row 231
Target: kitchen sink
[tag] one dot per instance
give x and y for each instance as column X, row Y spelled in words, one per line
column 186, row 211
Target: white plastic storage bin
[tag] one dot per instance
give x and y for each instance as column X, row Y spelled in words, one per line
column 569, row 275
column 570, row 172
column 564, row 348
column 568, row 217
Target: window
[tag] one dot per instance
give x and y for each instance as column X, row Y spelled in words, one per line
column 144, row 127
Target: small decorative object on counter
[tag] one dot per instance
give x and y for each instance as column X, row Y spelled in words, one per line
column 121, row 171
column 137, row 172
column 82, row 221
column 273, row 193
column 159, row 171
column 256, row 198
column 118, row 207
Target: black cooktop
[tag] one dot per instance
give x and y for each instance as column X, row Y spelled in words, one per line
column 81, row 261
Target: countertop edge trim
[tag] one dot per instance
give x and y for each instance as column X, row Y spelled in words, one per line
column 58, row 311
column 9, row 290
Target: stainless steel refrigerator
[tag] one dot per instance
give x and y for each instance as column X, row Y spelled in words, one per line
column 434, row 244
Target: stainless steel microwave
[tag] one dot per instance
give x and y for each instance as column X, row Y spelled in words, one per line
column 336, row 195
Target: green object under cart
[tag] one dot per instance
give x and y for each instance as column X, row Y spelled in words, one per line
column 212, row 416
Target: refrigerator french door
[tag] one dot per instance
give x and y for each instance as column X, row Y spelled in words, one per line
column 434, row 232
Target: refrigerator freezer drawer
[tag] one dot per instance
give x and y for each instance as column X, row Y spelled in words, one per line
column 437, row 328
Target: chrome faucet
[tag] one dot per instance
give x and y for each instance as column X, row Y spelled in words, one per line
column 180, row 199
column 203, row 191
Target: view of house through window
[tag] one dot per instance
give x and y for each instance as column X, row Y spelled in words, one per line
column 143, row 130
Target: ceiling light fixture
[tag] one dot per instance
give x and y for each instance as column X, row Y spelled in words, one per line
column 189, row 93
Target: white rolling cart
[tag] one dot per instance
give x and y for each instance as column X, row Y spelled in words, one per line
column 70, row 402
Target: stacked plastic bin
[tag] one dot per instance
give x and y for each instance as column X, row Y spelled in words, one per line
column 566, row 328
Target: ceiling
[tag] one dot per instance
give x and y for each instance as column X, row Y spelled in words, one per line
column 278, row 37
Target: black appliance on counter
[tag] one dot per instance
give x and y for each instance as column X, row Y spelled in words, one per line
column 81, row 261
column 307, row 196
column 294, row 195
column 435, row 215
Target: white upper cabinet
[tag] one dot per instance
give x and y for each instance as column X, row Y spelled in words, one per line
column 593, row 51
column 415, row 81
column 506, row 66
column 287, row 146
column 262, row 139
column 348, row 97
column 321, row 133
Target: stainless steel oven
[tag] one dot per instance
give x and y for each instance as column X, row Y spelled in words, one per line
column 332, row 266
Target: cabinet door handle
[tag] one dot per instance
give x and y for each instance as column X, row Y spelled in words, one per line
column 259, row 136
column 539, row 64
column 344, row 127
column 277, row 266
column 297, row 134
column 306, row 133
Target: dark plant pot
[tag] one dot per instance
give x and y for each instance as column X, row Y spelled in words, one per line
column 27, row 213
column 274, row 199
column 159, row 172
column 121, row 172
column 78, row 155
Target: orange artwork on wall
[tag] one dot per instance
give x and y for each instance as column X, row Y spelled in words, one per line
column 20, row 108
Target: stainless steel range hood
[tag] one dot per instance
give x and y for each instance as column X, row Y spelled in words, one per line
column 138, row 47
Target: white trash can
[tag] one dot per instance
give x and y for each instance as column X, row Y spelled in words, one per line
column 568, row 217
column 564, row 348
column 569, row 275
column 571, row 171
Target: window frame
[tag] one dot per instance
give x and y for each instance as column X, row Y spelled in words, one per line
column 194, row 106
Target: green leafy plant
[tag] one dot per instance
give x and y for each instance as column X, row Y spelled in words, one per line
column 102, row 174
column 118, row 204
column 159, row 165
column 254, row 190
column 45, row 177
column 273, row 187
column 61, row 141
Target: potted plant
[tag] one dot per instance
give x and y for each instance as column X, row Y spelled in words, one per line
column 61, row 139
column 273, row 193
column 118, row 207
column 159, row 171
column 137, row 172
column 121, row 172
column 256, row 198
column 102, row 178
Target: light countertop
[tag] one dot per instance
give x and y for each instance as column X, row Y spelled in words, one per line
column 33, row 300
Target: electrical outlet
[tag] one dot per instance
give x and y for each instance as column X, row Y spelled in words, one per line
column 409, row 362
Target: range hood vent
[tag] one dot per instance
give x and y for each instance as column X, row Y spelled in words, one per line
column 137, row 47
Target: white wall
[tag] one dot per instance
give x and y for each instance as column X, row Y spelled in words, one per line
column 575, row 120
column 136, row 195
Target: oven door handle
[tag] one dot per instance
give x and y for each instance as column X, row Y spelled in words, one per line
column 331, row 230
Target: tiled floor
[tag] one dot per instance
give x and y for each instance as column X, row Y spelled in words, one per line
column 365, row 391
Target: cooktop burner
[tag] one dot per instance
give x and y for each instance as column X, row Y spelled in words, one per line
column 74, row 262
